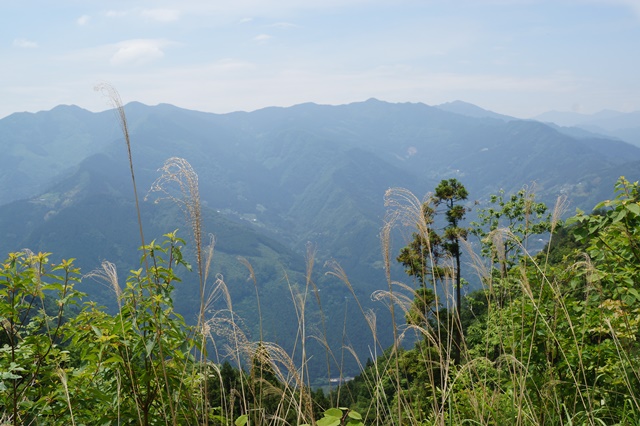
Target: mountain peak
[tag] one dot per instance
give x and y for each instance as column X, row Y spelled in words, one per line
column 471, row 110
column 71, row 107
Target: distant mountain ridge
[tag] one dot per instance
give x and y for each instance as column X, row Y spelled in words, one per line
column 276, row 179
column 624, row 126
column 281, row 158
column 470, row 110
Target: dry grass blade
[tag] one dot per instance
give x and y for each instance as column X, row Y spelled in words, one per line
column 178, row 182
column 63, row 379
column 116, row 102
column 108, row 274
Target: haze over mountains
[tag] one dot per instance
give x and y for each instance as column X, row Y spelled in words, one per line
column 275, row 179
column 624, row 126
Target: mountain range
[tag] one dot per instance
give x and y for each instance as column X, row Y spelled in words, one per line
column 275, row 180
column 615, row 124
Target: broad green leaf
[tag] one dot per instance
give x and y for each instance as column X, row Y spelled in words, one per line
column 355, row 415
column 9, row 375
column 329, row 421
column 634, row 208
column 114, row 359
column 242, row 420
column 621, row 215
column 334, row 412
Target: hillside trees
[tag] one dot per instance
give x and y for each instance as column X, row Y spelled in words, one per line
column 422, row 256
column 504, row 228
column 567, row 339
column 510, row 221
column 450, row 193
column 573, row 318
column 555, row 340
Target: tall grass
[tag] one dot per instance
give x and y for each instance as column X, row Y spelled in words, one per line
column 495, row 382
column 492, row 383
column 179, row 183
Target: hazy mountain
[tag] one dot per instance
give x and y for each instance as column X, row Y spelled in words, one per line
column 624, row 126
column 275, row 179
column 37, row 148
column 571, row 119
column 91, row 216
column 471, row 110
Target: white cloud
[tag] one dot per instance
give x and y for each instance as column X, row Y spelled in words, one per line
column 262, row 38
column 24, row 43
column 138, row 52
column 245, row 20
column 83, row 20
column 115, row 13
column 161, row 15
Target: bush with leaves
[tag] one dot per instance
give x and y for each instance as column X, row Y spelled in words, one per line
column 143, row 357
column 34, row 296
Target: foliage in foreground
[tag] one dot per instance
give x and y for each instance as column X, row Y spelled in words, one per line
column 143, row 365
column 550, row 339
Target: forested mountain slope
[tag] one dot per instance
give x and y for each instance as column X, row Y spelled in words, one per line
column 275, row 179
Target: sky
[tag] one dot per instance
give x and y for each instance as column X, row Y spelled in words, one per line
column 515, row 57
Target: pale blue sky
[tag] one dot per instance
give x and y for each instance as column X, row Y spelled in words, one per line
column 517, row 57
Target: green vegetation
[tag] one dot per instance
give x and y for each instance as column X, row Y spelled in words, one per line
column 143, row 365
column 271, row 181
column 550, row 338
column 428, row 248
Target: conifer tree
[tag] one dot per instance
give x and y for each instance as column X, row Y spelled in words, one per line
column 421, row 256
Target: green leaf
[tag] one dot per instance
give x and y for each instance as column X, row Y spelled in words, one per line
column 333, row 412
column 115, row 359
column 242, row 420
column 53, row 286
column 9, row 375
column 96, row 330
column 149, row 346
column 621, row 215
column 634, row 293
column 634, row 208
column 573, row 219
column 355, row 415
column 328, row 421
